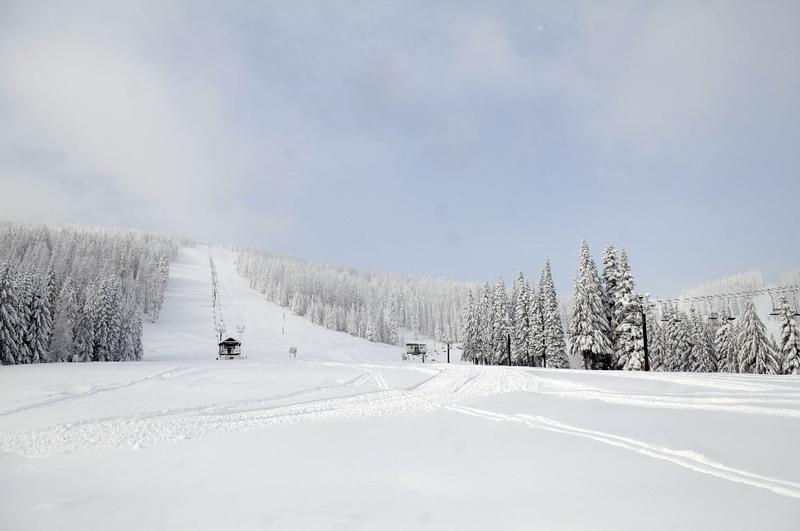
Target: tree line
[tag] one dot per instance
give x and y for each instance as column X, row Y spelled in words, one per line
column 78, row 293
column 377, row 307
column 605, row 327
column 523, row 328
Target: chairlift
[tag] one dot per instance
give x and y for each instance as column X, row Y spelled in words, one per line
column 775, row 310
column 728, row 313
column 712, row 314
column 664, row 315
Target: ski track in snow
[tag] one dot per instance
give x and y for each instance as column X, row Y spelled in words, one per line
column 444, row 388
column 164, row 375
column 685, row 458
column 162, row 427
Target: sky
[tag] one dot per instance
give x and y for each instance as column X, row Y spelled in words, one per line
column 465, row 140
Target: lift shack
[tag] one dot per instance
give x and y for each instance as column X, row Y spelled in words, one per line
column 414, row 349
column 230, row 349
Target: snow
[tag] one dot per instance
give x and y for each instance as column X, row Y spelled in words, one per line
column 348, row 436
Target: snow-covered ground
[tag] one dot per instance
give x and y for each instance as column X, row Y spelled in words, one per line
column 347, row 436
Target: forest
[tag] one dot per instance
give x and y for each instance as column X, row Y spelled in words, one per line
column 606, row 321
column 78, row 293
column 378, row 307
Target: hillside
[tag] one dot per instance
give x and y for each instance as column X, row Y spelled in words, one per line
column 348, row 436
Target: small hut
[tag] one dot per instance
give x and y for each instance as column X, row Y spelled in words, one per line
column 414, row 349
column 230, row 349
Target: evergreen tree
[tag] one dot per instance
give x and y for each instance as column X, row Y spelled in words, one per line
column 486, row 343
column 329, row 321
column 726, row 347
column 107, row 322
column 83, row 342
column 51, row 294
column 755, row 354
column 628, row 319
column 24, row 283
column 392, row 329
column 37, row 335
column 701, row 357
column 9, row 319
column 500, row 323
column 655, row 343
column 611, row 280
column 352, row 320
column 61, row 342
column 589, row 326
column 521, row 342
column 468, row 337
column 677, row 344
column 370, row 334
column 536, row 335
column 790, row 339
column 555, row 346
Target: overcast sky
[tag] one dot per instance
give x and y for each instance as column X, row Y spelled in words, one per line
column 459, row 139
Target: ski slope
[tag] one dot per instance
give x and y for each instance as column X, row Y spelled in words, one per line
column 347, row 436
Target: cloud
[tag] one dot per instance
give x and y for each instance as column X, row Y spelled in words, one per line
column 94, row 115
column 306, row 127
column 678, row 79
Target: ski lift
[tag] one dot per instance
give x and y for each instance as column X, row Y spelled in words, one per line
column 676, row 316
column 664, row 315
column 775, row 310
column 796, row 309
column 712, row 314
column 728, row 313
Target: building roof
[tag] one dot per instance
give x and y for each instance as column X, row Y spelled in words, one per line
column 230, row 341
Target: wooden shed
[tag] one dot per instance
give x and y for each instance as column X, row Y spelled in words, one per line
column 230, row 349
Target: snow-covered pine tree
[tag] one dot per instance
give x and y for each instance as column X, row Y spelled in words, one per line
column 24, row 283
column 628, row 318
column 726, row 346
column 329, row 321
column 415, row 318
column 61, row 342
column 362, row 323
column 755, row 352
column 486, row 313
column 521, row 342
column 776, row 350
column 107, row 322
column 701, row 358
column 536, row 335
column 352, row 320
column 469, row 332
column 10, row 325
column 790, row 339
column 555, row 346
column 83, row 338
column 40, row 324
column 677, row 344
column 130, row 342
column 655, row 342
column 370, row 333
column 391, row 325
column 517, row 285
column 51, row 292
column 589, row 327
column 611, row 280
column 500, row 323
